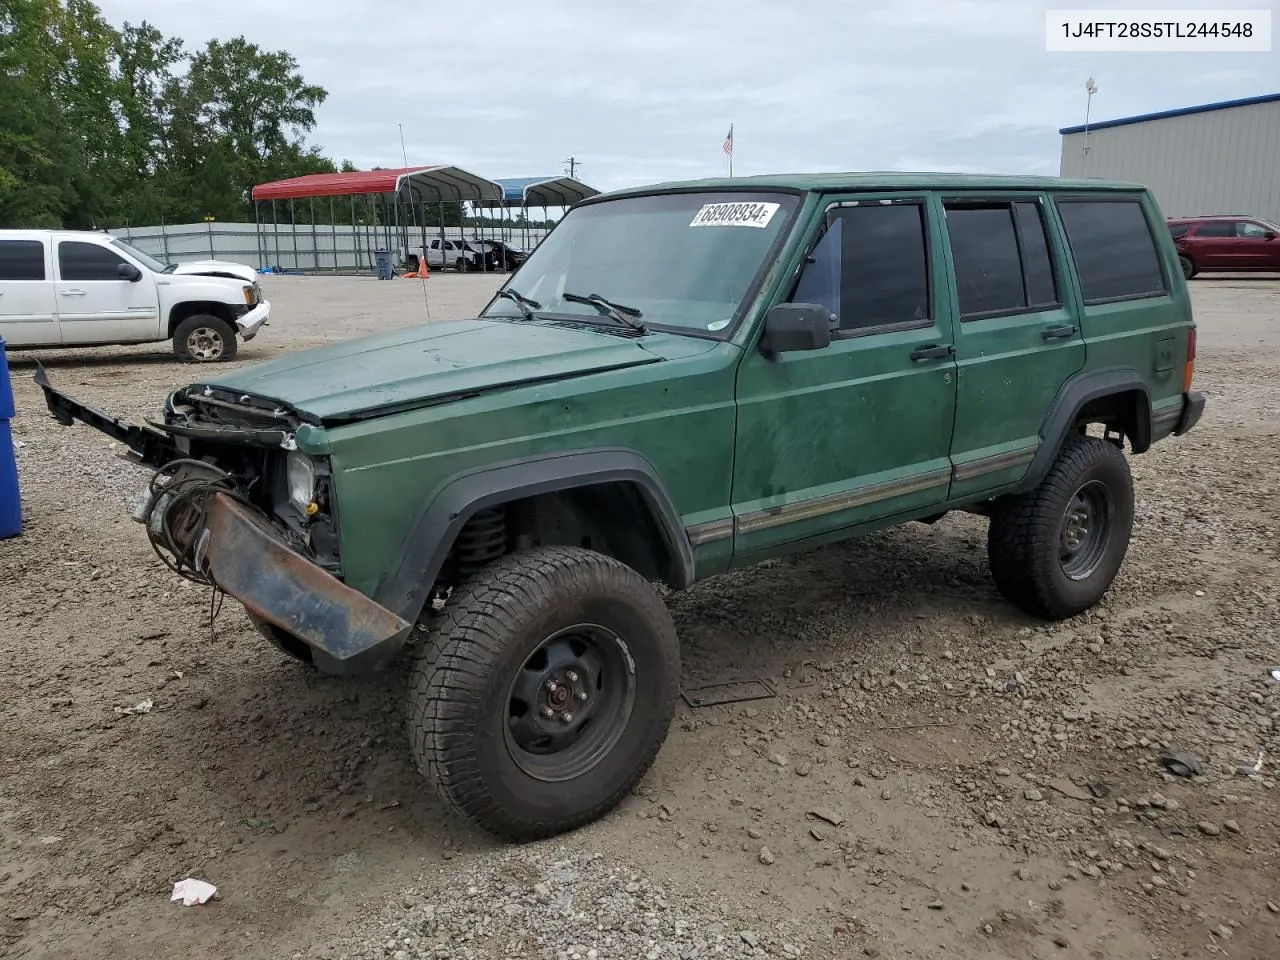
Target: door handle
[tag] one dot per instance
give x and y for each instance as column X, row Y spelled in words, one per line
column 1059, row 333
column 932, row 352
column 74, row 293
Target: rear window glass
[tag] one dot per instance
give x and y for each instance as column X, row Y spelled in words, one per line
column 21, row 260
column 1114, row 250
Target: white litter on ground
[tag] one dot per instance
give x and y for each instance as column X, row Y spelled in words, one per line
column 192, row 892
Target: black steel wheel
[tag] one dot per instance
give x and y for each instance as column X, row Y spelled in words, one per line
column 544, row 691
column 570, row 702
column 1056, row 550
column 1086, row 530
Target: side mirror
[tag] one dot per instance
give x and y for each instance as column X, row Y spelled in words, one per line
column 797, row 326
column 1270, row 235
column 127, row 271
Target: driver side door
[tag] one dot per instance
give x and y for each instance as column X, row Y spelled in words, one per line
column 95, row 304
column 858, row 431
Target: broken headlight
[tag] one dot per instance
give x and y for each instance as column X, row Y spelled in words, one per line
column 301, row 473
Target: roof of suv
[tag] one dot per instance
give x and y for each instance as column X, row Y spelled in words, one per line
column 875, row 180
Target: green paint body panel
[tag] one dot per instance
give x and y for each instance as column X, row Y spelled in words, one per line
column 760, row 455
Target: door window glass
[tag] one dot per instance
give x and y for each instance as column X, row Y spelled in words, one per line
column 87, row 261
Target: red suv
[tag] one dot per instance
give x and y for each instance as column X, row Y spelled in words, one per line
column 1226, row 243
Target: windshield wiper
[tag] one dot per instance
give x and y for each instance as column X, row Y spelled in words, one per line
column 629, row 316
column 521, row 301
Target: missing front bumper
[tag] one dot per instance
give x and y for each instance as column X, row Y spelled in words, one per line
column 241, row 553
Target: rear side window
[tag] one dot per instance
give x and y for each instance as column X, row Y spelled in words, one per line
column 87, row 261
column 21, row 260
column 1217, row 228
column 871, row 267
column 1001, row 258
column 1114, row 249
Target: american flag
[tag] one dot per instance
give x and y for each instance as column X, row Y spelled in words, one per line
column 728, row 141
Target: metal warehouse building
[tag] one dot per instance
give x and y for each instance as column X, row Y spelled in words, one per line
column 1217, row 158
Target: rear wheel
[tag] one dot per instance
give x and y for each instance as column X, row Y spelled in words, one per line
column 204, row 339
column 1188, row 268
column 544, row 691
column 460, row 265
column 1056, row 550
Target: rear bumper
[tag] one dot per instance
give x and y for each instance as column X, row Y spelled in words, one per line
column 252, row 321
column 346, row 631
column 1192, row 408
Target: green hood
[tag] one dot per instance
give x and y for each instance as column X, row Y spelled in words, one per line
column 420, row 365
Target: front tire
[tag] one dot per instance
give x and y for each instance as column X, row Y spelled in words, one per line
column 1055, row 551
column 1188, row 267
column 204, row 339
column 544, row 691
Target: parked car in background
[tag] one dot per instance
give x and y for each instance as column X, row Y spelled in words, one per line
column 1227, row 243
column 461, row 255
column 82, row 288
column 509, row 255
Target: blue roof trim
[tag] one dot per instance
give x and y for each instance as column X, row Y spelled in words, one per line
column 1180, row 112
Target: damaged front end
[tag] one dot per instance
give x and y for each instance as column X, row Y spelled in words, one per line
column 234, row 503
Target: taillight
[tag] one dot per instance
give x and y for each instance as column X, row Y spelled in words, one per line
column 1190, row 370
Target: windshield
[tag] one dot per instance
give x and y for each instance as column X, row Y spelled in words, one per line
column 684, row 260
column 150, row 262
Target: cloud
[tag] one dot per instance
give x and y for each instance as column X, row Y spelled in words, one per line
column 645, row 90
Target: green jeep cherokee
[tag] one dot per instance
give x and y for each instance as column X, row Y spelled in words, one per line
column 681, row 380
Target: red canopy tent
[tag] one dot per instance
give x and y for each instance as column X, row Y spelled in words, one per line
column 392, row 188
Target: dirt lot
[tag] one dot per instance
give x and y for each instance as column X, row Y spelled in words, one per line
column 938, row 776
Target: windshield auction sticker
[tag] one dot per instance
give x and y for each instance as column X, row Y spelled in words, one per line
column 735, row 215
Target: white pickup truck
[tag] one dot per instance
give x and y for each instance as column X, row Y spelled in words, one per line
column 63, row 288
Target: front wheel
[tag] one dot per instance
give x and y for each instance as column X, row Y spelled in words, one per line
column 1056, row 550
column 460, row 265
column 544, row 691
column 204, row 339
column 1188, row 268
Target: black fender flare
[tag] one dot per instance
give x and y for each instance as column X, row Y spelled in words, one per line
column 405, row 587
column 1072, row 398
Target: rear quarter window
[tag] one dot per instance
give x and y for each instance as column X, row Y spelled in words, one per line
column 1114, row 249
column 21, row 260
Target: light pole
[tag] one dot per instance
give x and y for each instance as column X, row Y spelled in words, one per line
column 1091, row 88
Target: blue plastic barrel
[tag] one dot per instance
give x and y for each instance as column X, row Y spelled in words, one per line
column 10, row 499
column 384, row 260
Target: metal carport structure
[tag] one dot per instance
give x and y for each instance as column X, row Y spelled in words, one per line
column 384, row 194
column 524, row 193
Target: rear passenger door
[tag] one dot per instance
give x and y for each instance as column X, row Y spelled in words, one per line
column 1213, row 245
column 1018, row 338
column 859, row 430
column 27, row 317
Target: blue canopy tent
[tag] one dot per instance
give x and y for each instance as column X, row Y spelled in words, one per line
column 522, row 193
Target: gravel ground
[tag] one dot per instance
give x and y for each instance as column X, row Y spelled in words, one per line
column 938, row 775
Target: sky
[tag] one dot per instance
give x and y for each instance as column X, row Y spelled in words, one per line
column 643, row 91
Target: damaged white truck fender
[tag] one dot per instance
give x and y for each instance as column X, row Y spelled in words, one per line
column 62, row 288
